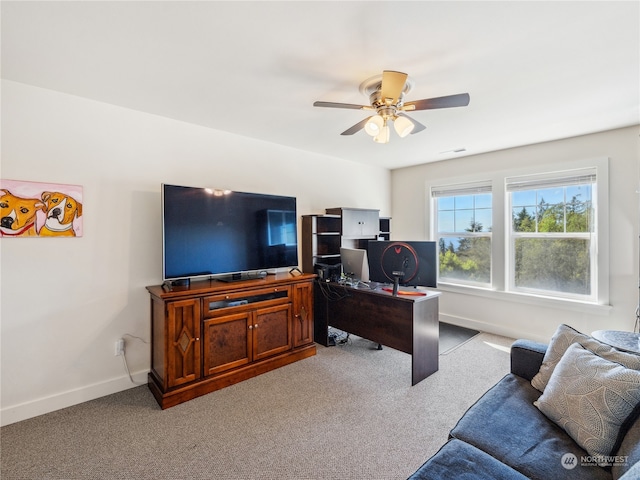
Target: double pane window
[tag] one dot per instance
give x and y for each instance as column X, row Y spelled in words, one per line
column 552, row 235
column 464, row 220
column 549, row 225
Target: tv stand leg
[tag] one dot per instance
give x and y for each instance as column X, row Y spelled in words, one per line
column 379, row 347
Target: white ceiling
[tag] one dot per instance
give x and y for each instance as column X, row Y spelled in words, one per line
column 535, row 71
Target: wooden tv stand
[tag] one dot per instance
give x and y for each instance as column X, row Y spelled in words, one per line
column 212, row 334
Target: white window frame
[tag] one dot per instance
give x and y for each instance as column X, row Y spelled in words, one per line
column 560, row 178
column 475, row 188
column 501, row 224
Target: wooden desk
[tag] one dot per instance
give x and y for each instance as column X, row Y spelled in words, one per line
column 405, row 323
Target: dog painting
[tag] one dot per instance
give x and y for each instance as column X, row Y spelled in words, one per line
column 33, row 209
column 61, row 210
column 18, row 214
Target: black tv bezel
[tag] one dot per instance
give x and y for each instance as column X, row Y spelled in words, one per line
column 231, row 275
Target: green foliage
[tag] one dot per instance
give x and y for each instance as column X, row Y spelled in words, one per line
column 573, row 216
column 561, row 265
column 554, row 264
column 544, row 263
column 470, row 261
column 524, row 221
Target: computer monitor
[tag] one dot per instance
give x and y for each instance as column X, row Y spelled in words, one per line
column 355, row 265
column 416, row 262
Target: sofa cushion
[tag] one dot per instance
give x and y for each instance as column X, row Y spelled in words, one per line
column 630, row 448
column 632, row 474
column 505, row 424
column 591, row 398
column 563, row 338
column 458, row 460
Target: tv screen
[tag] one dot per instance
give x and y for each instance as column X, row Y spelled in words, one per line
column 213, row 232
column 416, row 261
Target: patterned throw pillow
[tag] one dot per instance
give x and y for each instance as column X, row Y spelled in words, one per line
column 562, row 340
column 591, row 398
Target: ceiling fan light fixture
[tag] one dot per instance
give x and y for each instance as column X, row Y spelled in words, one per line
column 403, row 126
column 374, row 125
column 383, row 136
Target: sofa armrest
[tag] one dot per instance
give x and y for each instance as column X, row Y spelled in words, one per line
column 526, row 357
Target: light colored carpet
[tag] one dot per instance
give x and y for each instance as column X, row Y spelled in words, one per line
column 350, row 412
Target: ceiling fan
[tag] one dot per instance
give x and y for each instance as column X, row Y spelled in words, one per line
column 386, row 94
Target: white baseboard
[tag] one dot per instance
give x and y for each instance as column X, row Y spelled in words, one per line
column 34, row 408
column 490, row 328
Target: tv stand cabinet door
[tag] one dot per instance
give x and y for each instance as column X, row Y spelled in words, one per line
column 228, row 342
column 272, row 331
column 183, row 347
column 302, row 314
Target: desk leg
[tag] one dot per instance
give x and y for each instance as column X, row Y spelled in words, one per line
column 426, row 335
column 320, row 316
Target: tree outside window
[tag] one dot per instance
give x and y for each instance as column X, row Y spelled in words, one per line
column 552, row 232
column 553, row 236
column 464, row 224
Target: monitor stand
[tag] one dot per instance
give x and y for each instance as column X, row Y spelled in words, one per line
column 397, row 275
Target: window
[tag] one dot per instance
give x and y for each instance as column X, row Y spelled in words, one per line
column 530, row 234
column 552, row 237
column 464, row 225
column 281, row 227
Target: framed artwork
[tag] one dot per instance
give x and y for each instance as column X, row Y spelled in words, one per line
column 36, row 209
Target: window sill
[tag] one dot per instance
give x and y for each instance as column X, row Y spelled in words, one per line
column 572, row 305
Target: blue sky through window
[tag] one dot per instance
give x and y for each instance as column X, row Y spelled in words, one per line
column 458, row 213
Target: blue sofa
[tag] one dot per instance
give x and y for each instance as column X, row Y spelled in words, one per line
column 505, row 436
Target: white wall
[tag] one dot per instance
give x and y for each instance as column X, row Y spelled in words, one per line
column 499, row 313
column 66, row 301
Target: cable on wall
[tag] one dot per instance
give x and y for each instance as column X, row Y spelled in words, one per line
column 124, row 358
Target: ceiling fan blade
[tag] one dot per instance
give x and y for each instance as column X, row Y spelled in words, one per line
column 356, row 128
column 459, row 100
column 392, row 85
column 341, row 105
column 417, row 126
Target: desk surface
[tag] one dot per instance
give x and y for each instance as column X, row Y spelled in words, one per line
column 404, row 293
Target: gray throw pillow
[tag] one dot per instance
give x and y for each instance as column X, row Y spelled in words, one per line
column 591, row 398
column 562, row 340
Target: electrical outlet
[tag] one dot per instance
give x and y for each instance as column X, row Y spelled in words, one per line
column 119, row 347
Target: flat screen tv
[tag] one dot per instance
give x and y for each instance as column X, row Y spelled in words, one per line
column 226, row 234
column 417, row 262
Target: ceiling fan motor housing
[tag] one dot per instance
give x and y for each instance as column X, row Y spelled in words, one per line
column 372, row 87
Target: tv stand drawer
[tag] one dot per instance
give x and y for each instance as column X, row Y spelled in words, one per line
column 216, row 305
